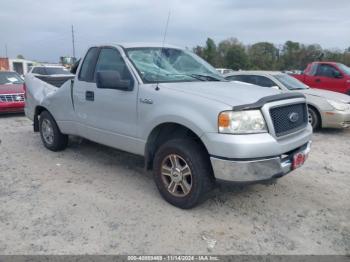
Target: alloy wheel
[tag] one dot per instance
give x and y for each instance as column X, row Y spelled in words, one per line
column 47, row 131
column 176, row 175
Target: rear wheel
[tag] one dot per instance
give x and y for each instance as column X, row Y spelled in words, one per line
column 314, row 118
column 182, row 173
column 51, row 136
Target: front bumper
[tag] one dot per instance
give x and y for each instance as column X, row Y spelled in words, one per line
column 336, row 119
column 254, row 170
column 11, row 107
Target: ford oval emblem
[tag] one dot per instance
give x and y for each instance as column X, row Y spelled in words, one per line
column 293, row 117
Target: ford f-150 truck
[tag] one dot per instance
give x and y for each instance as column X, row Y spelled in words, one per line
column 326, row 75
column 191, row 125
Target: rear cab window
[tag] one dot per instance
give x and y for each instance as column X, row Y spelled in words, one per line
column 39, row 70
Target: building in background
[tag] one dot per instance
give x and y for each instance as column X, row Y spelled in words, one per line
column 4, row 64
column 21, row 66
column 67, row 61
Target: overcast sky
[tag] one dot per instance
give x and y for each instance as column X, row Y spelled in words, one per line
column 40, row 29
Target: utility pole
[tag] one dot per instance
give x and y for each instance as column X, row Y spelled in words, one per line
column 73, row 42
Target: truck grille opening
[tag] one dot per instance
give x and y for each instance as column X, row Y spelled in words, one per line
column 288, row 119
column 12, row 98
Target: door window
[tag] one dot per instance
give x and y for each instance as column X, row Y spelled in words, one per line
column 111, row 60
column 327, row 71
column 253, row 79
column 242, row 78
column 234, row 78
column 264, row 81
column 88, row 66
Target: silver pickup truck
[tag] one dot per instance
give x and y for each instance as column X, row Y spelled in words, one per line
column 191, row 125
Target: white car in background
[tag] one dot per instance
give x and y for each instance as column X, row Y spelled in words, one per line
column 224, row 71
column 327, row 109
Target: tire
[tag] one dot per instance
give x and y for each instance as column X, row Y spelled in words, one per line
column 189, row 187
column 314, row 118
column 50, row 134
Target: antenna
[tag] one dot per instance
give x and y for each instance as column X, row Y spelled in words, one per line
column 73, row 43
column 161, row 51
column 6, row 50
column 166, row 29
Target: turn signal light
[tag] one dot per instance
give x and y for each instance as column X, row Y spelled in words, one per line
column 224, row 119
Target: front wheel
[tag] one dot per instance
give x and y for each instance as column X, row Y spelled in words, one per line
column 314, row 119
column 50, row 134
column 183, row 173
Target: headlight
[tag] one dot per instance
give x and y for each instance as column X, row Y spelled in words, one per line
column 339, row 105
column 241, row 122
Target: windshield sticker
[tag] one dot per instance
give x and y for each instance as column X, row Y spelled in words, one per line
column 12, row 79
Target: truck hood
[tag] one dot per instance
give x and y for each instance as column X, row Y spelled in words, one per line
column 230, row 93
column 11, row 89
column 326, row 94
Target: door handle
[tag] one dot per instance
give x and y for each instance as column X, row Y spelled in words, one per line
column 89, row 96
column 317, row 80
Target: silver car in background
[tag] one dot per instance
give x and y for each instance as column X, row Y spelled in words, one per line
column 327, row 109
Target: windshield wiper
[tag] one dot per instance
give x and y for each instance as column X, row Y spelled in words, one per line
column 198, row 77
column 207, row 77
column 191, row 75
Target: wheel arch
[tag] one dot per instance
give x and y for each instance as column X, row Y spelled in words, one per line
column 38, row 110
column 164, row 132
column 317, row 111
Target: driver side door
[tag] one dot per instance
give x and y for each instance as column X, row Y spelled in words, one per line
column 110, row 114
column 330, row 78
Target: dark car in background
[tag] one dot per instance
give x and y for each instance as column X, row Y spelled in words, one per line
column 11, row 92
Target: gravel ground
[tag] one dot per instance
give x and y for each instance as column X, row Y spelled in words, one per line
column 97, row 200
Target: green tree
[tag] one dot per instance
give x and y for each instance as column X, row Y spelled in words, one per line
column 346, row 58
column 333, row 55
column 263, row 55
column 236, row 58
column 210, row 52
column 20, row 56
column 310, row 54
column 198, row 50
column 232, row 54
column 290, row 56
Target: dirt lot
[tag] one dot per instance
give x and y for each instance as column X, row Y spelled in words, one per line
column 93, row 199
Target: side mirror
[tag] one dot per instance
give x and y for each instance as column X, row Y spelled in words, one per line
column 275, row 87
column 112, row 80
column 337, row 74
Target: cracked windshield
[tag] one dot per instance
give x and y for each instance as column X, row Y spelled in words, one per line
column 171, row 65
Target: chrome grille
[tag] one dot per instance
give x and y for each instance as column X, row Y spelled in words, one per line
column 289, row 118
column 12, row 97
